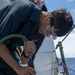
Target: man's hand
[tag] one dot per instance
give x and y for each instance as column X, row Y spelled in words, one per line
column 30, row 48
column 26, row 71
column 7, row 57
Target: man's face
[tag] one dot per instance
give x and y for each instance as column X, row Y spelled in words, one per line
column 50, row 31
column 38, row 2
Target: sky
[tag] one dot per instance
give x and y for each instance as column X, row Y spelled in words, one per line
column 69, row 42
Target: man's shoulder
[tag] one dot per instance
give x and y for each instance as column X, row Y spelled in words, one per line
column 22, row 2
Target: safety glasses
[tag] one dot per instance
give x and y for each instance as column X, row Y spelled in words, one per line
column 50, row 31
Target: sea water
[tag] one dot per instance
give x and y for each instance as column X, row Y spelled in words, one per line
column 71, row 65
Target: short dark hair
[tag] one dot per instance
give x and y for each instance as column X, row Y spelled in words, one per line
column 62, row 21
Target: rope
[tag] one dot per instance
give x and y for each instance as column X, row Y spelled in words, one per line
column 67, row 67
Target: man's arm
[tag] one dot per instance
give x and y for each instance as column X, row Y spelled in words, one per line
column 7, row 57
column 29, row 50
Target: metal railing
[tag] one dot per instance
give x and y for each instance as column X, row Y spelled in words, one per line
column 66, row 71
column 63, row 58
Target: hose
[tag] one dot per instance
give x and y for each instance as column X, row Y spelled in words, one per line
column 15, row 36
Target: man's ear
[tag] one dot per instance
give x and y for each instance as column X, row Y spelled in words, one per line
column 47, row 18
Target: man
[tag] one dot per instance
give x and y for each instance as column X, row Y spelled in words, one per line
column 40, row 3
column 27, row 19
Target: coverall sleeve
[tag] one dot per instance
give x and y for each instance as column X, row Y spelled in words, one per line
column 12, row 15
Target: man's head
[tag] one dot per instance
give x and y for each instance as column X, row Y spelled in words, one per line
column 56, row 23
column 62, row 21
